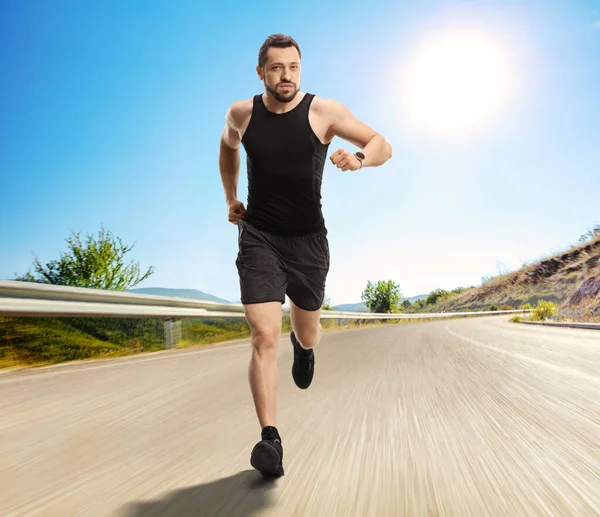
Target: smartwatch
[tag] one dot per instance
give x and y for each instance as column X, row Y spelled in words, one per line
column 360, row 156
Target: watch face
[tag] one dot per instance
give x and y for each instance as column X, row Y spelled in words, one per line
column 360, row 155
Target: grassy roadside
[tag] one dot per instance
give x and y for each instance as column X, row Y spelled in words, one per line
column 42, row 341
column 33, row 342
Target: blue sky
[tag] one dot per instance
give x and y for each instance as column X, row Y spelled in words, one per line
column 112, row 114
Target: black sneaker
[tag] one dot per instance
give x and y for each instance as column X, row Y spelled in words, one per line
column 304, row 364
column 267, row 455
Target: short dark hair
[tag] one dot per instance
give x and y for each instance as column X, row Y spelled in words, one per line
column 278, row 41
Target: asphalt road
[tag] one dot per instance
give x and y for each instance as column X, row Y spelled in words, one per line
column 478, row 417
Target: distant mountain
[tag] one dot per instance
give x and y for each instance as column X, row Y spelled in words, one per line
column 361, row 307
column 179, row 293
column 351, row 307
column 413, row 299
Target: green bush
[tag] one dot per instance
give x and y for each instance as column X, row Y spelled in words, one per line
column 526, row 306
column 439, row 295
column 544, row 310
column 516, row 319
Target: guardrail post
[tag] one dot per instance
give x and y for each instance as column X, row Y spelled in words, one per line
column 172, row 333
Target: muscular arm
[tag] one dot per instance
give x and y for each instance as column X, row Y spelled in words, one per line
column 229, row 154
column 229, row 157
column 376, row 148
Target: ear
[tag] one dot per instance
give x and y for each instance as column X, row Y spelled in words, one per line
column 259, row 72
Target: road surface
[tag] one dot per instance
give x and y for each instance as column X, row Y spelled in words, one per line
column 470, row 417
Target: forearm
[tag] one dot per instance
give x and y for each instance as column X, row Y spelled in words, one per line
column 377, row 152
column 229, row 165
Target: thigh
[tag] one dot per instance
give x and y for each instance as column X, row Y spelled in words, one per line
column 307, row 272
column 264, row 320
column 304, row 323
column 261, row 273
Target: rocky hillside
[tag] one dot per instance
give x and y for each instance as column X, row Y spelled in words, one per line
column 570, row 279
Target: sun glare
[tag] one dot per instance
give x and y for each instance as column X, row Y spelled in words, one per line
column 456, row 83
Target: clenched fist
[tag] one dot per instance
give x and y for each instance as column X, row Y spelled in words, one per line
column 345, row 160
column 236, row 211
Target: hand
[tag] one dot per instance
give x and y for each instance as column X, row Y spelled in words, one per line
column 345, row 160
column 236, row 211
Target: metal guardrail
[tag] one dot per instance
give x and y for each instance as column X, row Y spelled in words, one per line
column 34, row 299
column 405, row 316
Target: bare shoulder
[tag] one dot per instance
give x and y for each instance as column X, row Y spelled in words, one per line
column 341, row 122
column 239, row 112
column 328, row 107
column 237, row 118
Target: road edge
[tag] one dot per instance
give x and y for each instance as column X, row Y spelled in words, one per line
column 589, row 326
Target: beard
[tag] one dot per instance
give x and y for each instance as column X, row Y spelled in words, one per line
column 282, row 95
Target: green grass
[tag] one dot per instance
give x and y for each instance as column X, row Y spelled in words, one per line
column 195, row 332
column 37, row 341
column 41, row 341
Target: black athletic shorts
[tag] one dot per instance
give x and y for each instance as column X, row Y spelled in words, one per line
column 271, row 266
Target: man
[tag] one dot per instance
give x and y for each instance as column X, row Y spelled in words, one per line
column 282, row 238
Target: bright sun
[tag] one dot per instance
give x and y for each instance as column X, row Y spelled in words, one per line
column 456, row 83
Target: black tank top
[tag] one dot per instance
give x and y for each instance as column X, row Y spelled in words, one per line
column 285, row 161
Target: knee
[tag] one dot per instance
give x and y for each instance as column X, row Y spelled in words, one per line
column 309, row 337
column 265, row 339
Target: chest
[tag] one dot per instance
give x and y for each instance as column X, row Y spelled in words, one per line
column 279, row 127
column 297, row 138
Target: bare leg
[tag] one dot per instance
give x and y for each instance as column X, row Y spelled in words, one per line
column 306, row 326
column 265, row 324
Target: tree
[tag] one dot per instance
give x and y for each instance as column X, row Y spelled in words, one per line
column 97, row 264
column 406, row 304
column 327, row 304
column 384, row 296
column 439, row 295
column 418, row 304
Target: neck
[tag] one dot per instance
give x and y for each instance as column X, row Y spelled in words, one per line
column 281, row 107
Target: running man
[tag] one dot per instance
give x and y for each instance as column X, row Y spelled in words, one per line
column 282, row 238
